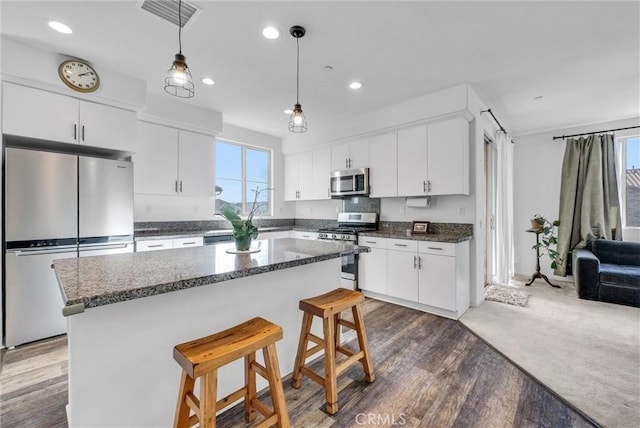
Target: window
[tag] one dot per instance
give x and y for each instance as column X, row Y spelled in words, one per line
column 630, row 181
column 240, row 171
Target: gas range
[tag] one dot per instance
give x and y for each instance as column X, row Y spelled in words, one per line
column 349, row 224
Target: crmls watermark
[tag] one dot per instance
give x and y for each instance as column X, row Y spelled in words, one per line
column 386, row 419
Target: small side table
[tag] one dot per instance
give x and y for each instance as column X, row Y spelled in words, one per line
column 537, row 273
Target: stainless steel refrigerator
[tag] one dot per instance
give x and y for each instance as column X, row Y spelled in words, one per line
column 57, row 206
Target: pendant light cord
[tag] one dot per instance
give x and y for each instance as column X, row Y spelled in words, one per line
column 297, row 70
column 180, row 26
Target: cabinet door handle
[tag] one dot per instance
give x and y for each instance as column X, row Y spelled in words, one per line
column 189, row 243
column 400, row 245
column 346, row 162
column 370, row 242
column 419, row 262
column 180, row 186
column 424, row 186
column 155, row 246
column 82, row 133
column 429, row 186
column 435, row 248
column 415, row 263
column 75, row 132
column 176, row 186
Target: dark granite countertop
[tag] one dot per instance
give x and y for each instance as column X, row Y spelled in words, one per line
column 151, row 234
column 434, row 237
column 95, row 281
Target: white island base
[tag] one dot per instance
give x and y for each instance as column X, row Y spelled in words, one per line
column 121, row 368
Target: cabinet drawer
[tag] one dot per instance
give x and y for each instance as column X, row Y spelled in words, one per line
column 196, row 241
column 402, row 245
column 439, row 248
column 372, row 242
column 154, row 245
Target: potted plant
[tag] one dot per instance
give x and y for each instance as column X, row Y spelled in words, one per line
column 548, row 241
column 244, row 231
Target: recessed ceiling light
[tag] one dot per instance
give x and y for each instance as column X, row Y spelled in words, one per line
column 60, row 27
column 208, row 81
column 288, row 111
column 355, row 85
column 271, row 33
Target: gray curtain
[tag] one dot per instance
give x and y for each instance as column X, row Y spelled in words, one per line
column 589, row 202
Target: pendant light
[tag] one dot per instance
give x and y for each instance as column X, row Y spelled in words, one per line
column 297, row 121
column 179, row 81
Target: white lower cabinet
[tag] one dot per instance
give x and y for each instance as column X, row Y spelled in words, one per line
column 301, row 234
column 426, row 275
column 372, row 266
column 402, row 269
column 167, row 244
column 275, row 234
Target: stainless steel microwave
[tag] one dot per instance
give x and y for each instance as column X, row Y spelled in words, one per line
column 350, row 182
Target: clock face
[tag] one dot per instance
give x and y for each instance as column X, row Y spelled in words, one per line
column 79, row 75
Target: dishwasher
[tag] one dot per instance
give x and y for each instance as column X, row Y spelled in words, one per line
column 215, row 239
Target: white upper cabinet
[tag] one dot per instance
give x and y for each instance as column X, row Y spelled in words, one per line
column 156, row 160
column 196, row 164
column 433, row 159
column 107, row 127
column 40, row 114
column 383, row 164
column 412, row 161
column 306, row 175
column 321, row 171
column 448, row 157
column 46, row 115
column 350, row 155
column 291, row 178
column 298, row 177
column 173, row 162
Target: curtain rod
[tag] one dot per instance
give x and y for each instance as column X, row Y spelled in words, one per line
column 597, row 132
column 496, row 119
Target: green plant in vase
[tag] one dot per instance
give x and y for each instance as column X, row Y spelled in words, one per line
column 244, row 231
column 549, row 238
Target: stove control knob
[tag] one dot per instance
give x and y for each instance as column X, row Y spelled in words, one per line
column 333, row 236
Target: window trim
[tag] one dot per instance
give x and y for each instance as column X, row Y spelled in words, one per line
column 621, row 145
column 243, row 179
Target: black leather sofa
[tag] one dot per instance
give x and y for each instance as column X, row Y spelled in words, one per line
column 609, row 271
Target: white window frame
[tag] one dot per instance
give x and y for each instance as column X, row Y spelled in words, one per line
column 621, row 143
column 245, row 202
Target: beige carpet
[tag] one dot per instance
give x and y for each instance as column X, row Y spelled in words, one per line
column 587, row 352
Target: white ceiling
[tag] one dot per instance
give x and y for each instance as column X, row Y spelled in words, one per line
column 583, row 57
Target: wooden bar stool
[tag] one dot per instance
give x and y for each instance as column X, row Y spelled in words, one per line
column 329, row 307
column 202, row 358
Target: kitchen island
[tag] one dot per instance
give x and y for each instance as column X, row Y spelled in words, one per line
column 126, row 312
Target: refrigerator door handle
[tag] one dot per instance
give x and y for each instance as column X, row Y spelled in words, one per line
column 104, row 247
column 23, row 253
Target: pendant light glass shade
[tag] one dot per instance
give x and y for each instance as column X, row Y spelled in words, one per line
column 297, row 121
column 179, row 82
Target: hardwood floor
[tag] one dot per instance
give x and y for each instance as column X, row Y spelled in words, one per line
column 33, row 385
column 430, row 372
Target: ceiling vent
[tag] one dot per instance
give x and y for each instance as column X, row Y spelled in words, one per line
column 168, row 10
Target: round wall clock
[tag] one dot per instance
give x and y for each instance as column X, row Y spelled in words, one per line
column 78, row 75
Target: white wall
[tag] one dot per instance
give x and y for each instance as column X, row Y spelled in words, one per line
column 537, row 173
